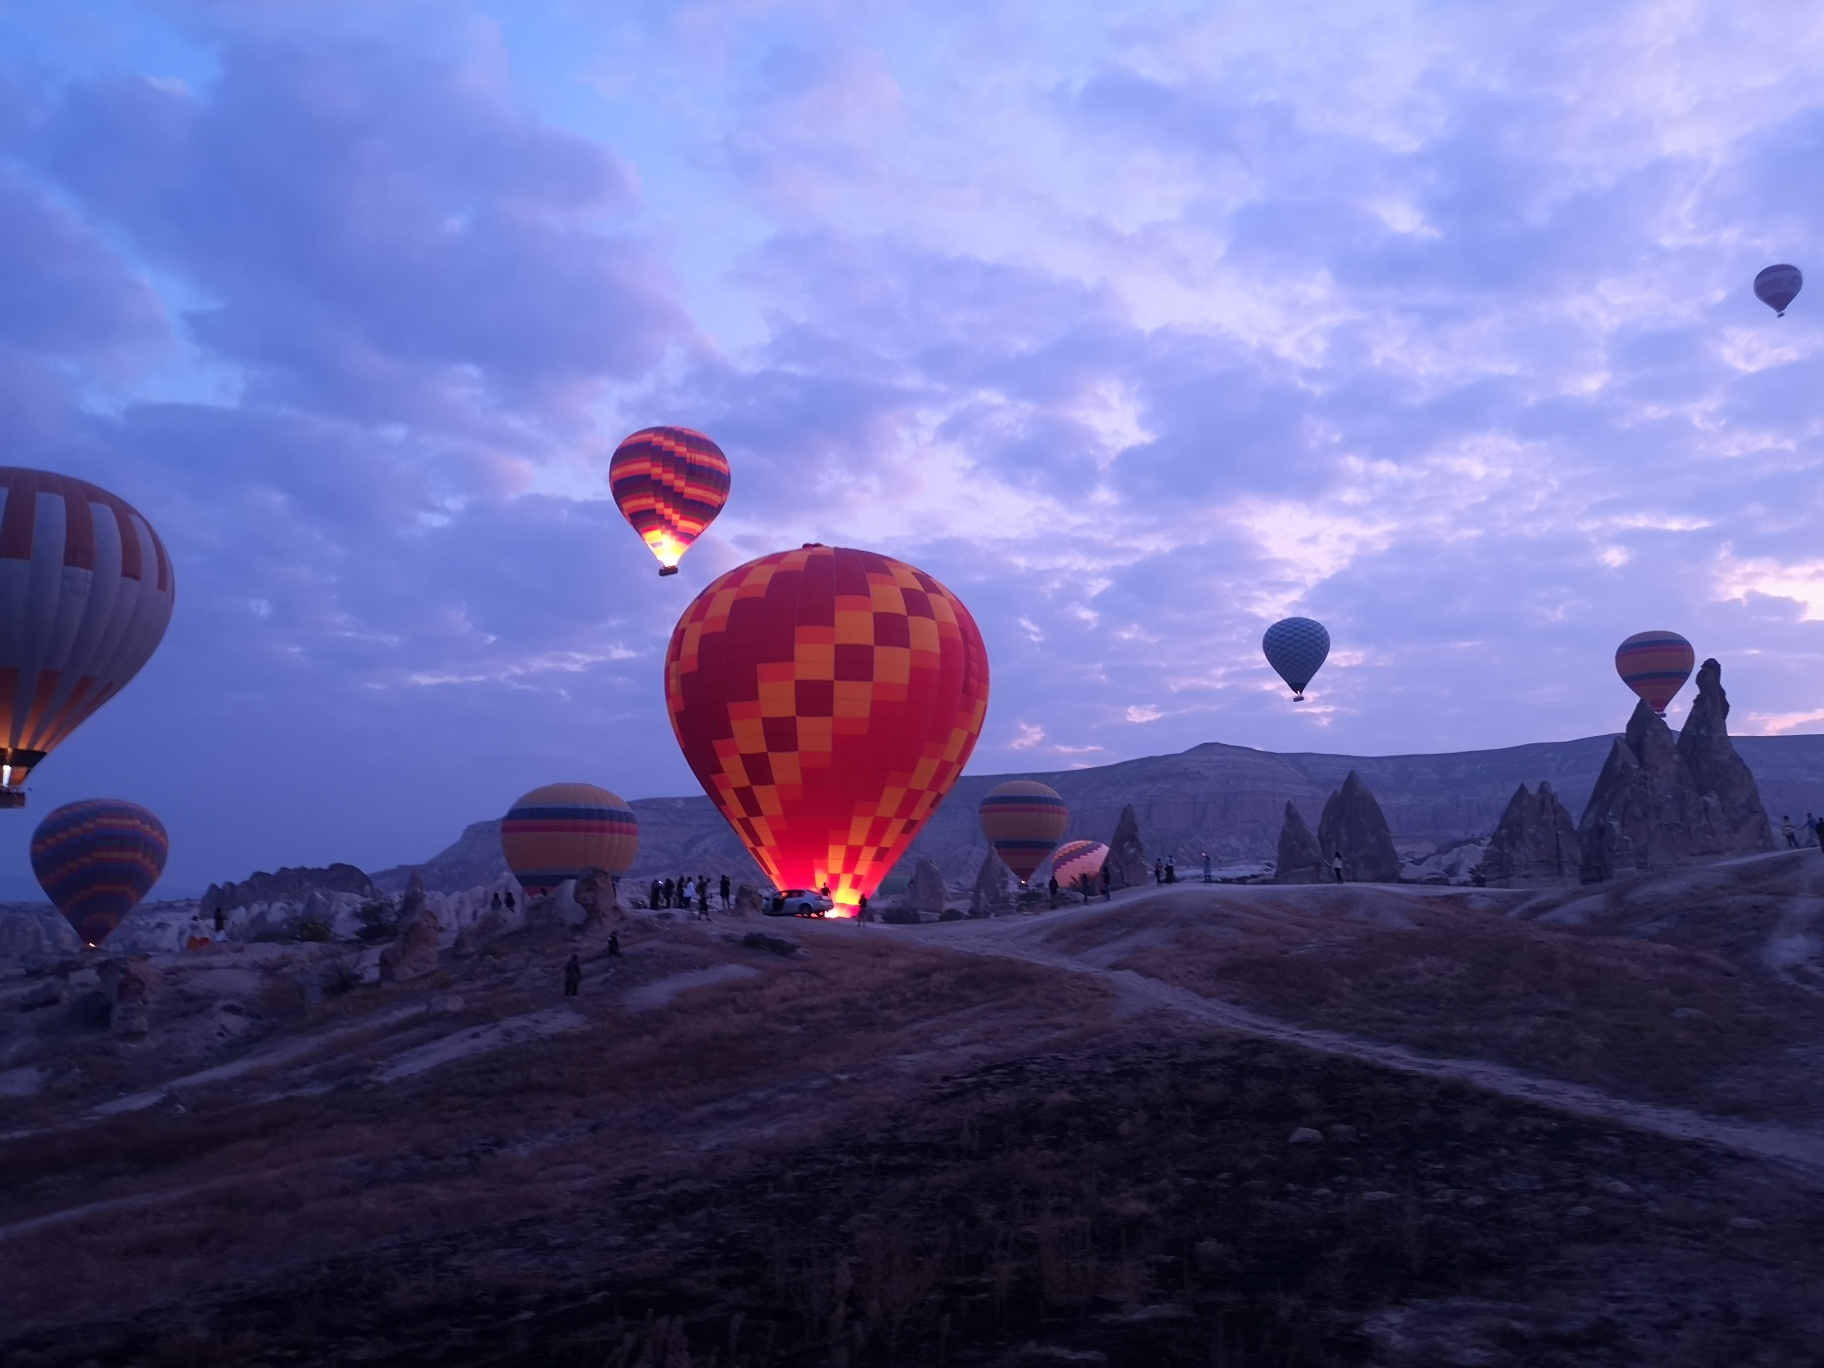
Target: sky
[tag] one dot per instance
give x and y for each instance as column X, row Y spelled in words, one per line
column 1137, row 325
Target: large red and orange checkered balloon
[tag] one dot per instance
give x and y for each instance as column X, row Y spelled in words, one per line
column 827, row 699
column 670, row 483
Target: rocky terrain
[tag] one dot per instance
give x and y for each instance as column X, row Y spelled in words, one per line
column 1252, row 1124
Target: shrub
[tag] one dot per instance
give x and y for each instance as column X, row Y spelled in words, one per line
column 378, row 921
column 314, row 929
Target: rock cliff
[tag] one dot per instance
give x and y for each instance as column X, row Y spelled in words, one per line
column 1126, row 864
column 990, row 893
column 1354, row 824
column 1719, row 771
column 1535, row 844
column 1300, row 861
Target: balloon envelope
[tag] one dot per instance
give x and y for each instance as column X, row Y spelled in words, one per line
column 1072, row 860
column 669, row 482
column 556, row 832
column 1778, row 286
column 1655, row 665
column 85, row 592
column 1296, row 648
column 96, row 859
column 826, row 699
column 1023, row 820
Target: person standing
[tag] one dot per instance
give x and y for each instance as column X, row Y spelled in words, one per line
column 725, row 887
column 510, row 903
column 861, row 908
column 1171, row 869
column 494, row 902
column 573, row 975
column 221, row 919
column 1792, row 838
column 703, row 896
column 1158, row 871
column 1209, row 874
column 614, row 945
column 1054, row 890
column 1336, row 865
column 1810, row 829
column 652, row 899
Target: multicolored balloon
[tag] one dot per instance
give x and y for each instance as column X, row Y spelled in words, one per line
column 85, row 592
column 1778, row 286
column 96, row 859
column 1296, row 648
column 1655, row 665
column 556, row 832
column 1072, row 860
column 827, row 699
column 669, row 483
column 1024, row 820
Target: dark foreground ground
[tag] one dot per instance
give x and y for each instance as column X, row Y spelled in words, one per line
column 880, row 1151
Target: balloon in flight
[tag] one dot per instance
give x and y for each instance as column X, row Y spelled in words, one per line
column 1778, row 286
column 1023, row 820
column 1655, row 665
column 1072, row 860
column 556, row 832
column 1296, row 648
column 85, row 592
column 96, row 859
column 669, row 483
column 826, row 699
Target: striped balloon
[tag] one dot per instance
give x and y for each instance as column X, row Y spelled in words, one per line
column 85, row 592
column 1023, row 820
column 1296, row 648
column 556, row 832
column 96, row 860
column 1655, row 665
column 670, row 483
column 1072, row 860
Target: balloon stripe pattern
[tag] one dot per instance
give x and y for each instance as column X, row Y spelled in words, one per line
column 1296, row 648
column 1655, row 665
column 96, row 859
column 86, row 591
column 1023, row 820
column 1072, row 860
column 1778, row 286
column 827, row 699
column 556, row 832
column 669, row 483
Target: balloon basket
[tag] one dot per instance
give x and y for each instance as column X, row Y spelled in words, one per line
column 665, row 570
column 12, row 798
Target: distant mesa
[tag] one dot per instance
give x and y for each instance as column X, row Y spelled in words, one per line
column 289, row 885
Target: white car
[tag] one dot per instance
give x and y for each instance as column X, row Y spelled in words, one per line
column 800, row 902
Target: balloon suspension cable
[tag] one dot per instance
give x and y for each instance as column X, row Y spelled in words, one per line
column 1298, row 697
column 665, row 570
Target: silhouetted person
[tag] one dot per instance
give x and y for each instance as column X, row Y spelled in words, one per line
column 614, row 945
column 573, row 976
column 510, row 903
column 1209, row 874
column 221, row 918
column 1054, row 890
column 1158, row 871
column 1336, row 865
column 1171, row 869
column 495, row 901
column 1792, row 838
column 725, row 892
column 652, row 899
column 665, row 891
column 861, row 908
column 1810, row 828
column 703, row 898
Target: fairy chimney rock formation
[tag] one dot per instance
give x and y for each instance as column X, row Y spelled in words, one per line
column 1300, row 860
column 990, row 895
column 1718, row 771
column 1535, row 845
column 414, row 954
column 1127, row 866
column 1660, row 803
column 926, row 892
column 1354, row 825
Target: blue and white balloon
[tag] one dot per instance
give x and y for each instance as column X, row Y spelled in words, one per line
column 1296, row 648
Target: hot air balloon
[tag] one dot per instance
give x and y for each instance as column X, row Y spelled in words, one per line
column 1072, row 860
column 85, row 592
column 556, row 832
column 1023, row 820
column 1655, row 665
column 1778, row 286
column 826, row 699
column 669, row 482
column 1296, row 648
column 96, row 860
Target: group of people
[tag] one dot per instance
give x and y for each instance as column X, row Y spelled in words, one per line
column 687, row 895
column 1813, row 829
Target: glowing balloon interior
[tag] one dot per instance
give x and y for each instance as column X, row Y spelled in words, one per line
column 556, row 832
column 1296, row 648
column 96, row 859
column 1023, row 820
column 669, row 483
column 1655, row 665
column 827, row 699
column 1778, row 286
column 1072, row 860
column 85, row 592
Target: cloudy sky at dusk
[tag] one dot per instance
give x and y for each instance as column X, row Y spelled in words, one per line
column 1138, row 325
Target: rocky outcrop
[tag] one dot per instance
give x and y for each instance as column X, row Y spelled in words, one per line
column 926, row 892
column 1300, row 861
column 990, row 894
column 1535, row 845
column 596, row 895
column 1354, row 825
column 287, row 886
column 414, row 954
column 130, row 985
column 1719, row 772
column 749, row 902
column 1126, row 864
